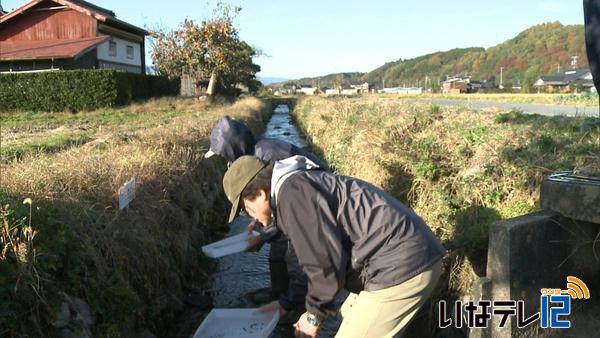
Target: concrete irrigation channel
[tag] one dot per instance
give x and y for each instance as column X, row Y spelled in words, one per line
column 242, row 280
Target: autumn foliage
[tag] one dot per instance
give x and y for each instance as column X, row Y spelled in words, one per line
column 200, row 51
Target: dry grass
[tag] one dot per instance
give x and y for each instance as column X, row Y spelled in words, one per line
column 459, row 169
column 129, row 266
column 96, row 169
column 587, row 99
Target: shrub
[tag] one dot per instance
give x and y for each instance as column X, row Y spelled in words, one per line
column 434, row 109
column 79, row 89
column 514, row 116
column 427, row 169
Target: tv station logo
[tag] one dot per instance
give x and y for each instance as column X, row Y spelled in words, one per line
column 555, row 307
column 555, row 303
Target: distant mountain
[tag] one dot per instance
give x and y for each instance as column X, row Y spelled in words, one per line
column 541, row 49
column 327, row 80
column 269, row 80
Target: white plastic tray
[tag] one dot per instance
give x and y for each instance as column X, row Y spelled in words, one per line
column 236, row 323
column 228, row 246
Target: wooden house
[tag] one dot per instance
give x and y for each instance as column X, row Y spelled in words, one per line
column 45, row 35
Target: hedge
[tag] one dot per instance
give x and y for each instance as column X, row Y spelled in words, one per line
column 79, row 89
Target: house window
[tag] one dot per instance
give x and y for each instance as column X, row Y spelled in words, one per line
column 130, row 52
column 112, row 48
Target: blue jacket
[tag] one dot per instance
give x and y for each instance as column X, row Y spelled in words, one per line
column 233, row 139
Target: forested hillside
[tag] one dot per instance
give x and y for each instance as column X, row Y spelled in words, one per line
column 539, row 50
column 330, row 80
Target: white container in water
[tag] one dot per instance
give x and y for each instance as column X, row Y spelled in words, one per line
column 228, row 246
column 236, row 323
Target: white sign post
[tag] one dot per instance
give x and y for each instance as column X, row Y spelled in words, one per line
column 126, row 193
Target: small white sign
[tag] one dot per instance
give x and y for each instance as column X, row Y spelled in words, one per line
column 126, row 193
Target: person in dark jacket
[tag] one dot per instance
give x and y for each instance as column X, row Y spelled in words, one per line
column 232, row 139
column 347, row 234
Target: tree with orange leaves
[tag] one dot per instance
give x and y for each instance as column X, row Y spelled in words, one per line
column 210, row 53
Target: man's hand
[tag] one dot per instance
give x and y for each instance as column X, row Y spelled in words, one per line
column 273, row 306
column 304, row 329
column 254, row 243
column 254, row 225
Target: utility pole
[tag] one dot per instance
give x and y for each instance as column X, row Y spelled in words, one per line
column 501, row 86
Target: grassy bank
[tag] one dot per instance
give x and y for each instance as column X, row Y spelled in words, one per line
column 459, row 169
column 70, row 260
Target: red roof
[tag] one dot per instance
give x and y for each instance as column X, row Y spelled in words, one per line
column 48, row 49
column 81, row 6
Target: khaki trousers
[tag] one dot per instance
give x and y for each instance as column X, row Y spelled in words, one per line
column 385, row 313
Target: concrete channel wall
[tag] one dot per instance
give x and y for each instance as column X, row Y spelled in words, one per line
column 540, row 250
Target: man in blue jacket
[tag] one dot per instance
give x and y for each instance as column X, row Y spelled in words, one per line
column 232, row 139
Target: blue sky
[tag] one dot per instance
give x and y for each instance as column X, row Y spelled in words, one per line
column 311, row 38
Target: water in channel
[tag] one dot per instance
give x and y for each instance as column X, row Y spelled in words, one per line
column 240, row 275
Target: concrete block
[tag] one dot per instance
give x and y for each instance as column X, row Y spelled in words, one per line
column 481, row 290
column 535, row 251
column 576, row 196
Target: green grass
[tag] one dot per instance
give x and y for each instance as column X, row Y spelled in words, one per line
column 36, row 121
column 514, row 116
column 434, row 109
column 29, row 133
column 50, row 145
